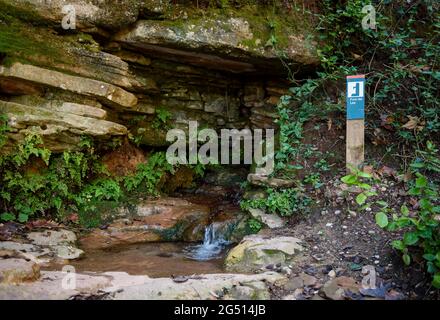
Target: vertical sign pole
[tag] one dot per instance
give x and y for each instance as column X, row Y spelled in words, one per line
column 355, row 122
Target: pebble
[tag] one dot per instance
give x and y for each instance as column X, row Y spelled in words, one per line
column 344, row 227
column 318, row 257
column 286, row 271
column 332, row 274
column 338, row 212
column 270, row 267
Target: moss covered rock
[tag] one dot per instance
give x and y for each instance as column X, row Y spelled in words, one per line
column 255, row 252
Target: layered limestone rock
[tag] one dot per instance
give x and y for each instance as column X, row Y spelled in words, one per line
column 134, row 61
column 122, row 286
column 59, row 130
column 85, row 86
column 110, row 14
column 166, row 219
column 220, row 41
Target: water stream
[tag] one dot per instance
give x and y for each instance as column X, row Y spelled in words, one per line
column 212, row 247
column 157, row 259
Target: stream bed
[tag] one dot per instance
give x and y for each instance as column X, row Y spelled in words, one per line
column 153, row 259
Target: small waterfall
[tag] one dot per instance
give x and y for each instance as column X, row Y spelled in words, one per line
column 212, row 246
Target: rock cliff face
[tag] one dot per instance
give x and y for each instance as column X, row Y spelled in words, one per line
column 128, row 61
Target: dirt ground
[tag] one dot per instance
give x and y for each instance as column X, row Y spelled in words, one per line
column 342, row 240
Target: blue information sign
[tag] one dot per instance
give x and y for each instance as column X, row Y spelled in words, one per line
column 356, row 97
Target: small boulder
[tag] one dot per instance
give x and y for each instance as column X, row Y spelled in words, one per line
column 271, row 220
column 255, row 252
column 13, row 271
column 52, row 237
column 335, row 289
column 69, row 252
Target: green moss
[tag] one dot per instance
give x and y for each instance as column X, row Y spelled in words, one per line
column 23, row 11
column 174, row 233
column 270, row 24
column 22, row 39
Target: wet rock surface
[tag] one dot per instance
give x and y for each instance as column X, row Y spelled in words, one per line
column 166, row 219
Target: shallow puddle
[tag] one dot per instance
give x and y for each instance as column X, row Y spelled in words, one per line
column 152, row 259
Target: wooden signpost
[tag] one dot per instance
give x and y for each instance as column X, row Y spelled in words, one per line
column 355, row 121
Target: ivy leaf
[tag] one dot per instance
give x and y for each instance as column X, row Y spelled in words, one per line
column 429, row 257
column 410, row 238
column 381, row 219
column 365, row 186
column 365, row 175
column 406, row 259
column 361, row 198
column 350, row 179
column 382, row 203
column 404, row 210
column 397, row 244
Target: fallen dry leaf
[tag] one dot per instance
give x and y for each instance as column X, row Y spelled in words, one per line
column 414, row 202
column 368, row 169
column 387, row 171
column 414, row 123
column 386, row 121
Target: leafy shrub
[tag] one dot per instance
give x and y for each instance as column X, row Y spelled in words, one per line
column 358, row 178
column 284, row 202
column 73, row 181
column 149, row 174
column 254, row 225
column 422, row 227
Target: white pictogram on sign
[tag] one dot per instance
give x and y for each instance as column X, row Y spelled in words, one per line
column 355, row 89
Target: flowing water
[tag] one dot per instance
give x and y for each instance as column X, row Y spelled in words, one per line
column 161, row 259
column 212, row 247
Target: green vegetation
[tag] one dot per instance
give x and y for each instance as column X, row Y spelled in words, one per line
column 284, row 202
column 161, row 119
column 359, row 179
column 421, row 223
column 254, row 225
column 400, row 59
column 34, row 182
